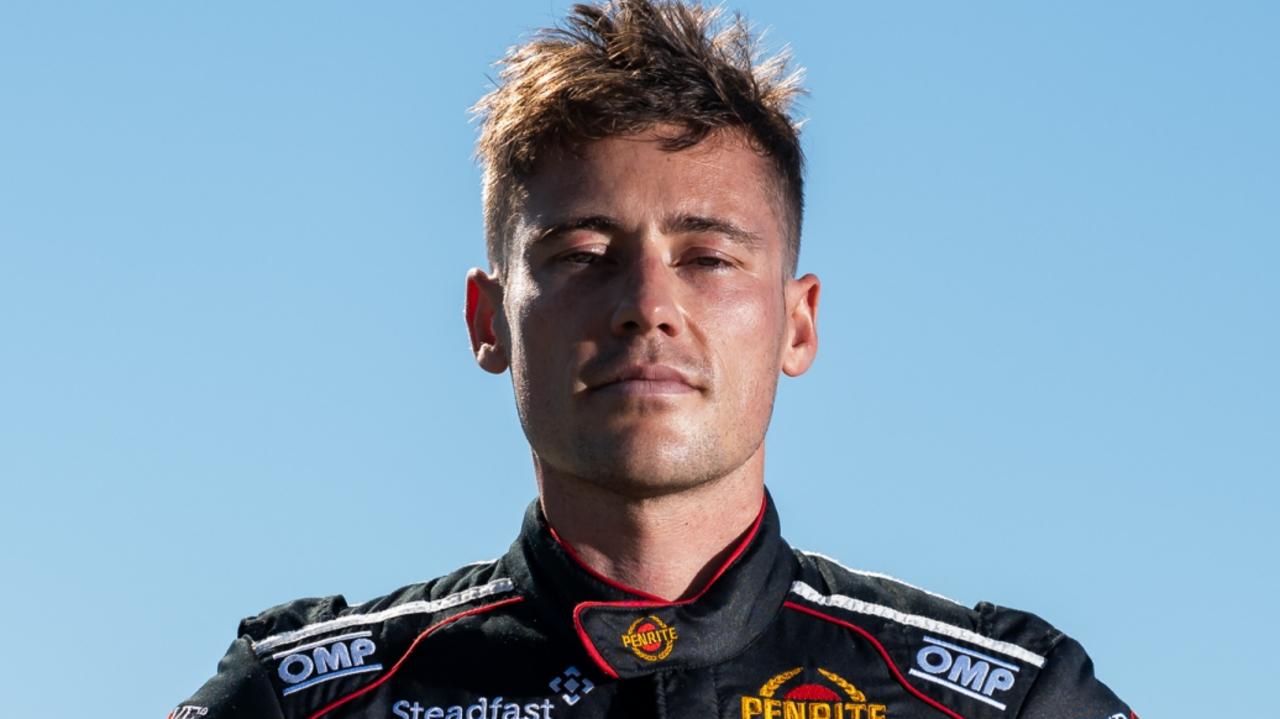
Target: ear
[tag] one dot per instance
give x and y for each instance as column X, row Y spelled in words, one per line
column 484, row 307
column 801, row 344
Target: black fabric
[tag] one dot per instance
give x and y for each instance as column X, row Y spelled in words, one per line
column 1068, row 681
column 779, row 634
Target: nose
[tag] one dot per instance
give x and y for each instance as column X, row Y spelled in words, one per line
column 647, row 300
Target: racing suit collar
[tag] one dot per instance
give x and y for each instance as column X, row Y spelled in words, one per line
column 627, row 633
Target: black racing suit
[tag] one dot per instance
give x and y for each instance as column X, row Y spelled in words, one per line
column 777, row 634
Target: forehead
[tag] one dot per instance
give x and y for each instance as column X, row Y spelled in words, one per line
column 634, row 179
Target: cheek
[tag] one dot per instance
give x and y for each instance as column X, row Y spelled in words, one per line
column 547, row 340
column 752, row 311
column 529, row 323
column 745, row 330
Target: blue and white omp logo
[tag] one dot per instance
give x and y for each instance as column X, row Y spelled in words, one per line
column 964, row 670
column 311, row 664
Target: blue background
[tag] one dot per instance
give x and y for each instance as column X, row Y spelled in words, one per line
column 233, row 368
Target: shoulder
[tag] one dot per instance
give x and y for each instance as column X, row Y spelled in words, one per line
column 288, row 624
column 305, row 654
column 1016, row 632
column 984, row 660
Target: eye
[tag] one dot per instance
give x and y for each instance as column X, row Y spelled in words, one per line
column 710, row 261
column 581, row 257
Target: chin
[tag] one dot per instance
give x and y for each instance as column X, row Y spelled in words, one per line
column 638, row 484
column 642, row 469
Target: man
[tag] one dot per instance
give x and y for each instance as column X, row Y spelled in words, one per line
column 643, row 201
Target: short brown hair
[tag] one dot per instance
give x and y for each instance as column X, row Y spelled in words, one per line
column 622, row 67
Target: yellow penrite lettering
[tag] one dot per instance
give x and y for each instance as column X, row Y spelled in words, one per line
column 788, row 696
column 641, row 639
column 761, row 708
column 650, row 638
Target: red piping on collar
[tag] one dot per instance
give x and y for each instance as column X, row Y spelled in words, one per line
column 573, row 554
column 425, row 633
column 648, row 600
column 884, row 654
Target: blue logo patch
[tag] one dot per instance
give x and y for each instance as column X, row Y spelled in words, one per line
column 310, row 664
column 571, row 686
column 974, row 675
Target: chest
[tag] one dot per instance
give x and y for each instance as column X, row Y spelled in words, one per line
column 800, row 668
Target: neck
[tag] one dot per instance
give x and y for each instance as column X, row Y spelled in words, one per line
column 669, row 545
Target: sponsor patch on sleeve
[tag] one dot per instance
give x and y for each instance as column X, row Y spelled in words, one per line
column 307, row 665
column 966, row 671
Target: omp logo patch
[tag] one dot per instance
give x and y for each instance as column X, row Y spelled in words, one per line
column 188, row 711
column 310, row 664
column 650, row 638
column 827, row 696
column 963, row 670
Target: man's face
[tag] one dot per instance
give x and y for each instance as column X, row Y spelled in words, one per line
column 645, row 313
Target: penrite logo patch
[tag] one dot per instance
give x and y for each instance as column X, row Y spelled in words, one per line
column 828, row 696
column 974, row 675
column 650, row 638
column 310, row 664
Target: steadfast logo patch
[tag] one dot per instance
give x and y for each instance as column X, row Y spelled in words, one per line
column 483, row 708
column 827, row 696
column 964, row 670
column 650, row 638
column 310, row 664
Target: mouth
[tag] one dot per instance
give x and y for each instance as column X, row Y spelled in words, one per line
column 643, row 380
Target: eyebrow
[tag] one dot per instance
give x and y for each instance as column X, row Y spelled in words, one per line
column 673, row 225
column 600, row 223
column 699, row 223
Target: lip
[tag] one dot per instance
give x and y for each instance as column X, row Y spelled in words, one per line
column 637, row 380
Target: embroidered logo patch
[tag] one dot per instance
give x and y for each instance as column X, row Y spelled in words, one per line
column 571, row 685
column 650, row 638
column 966, row 671
column 481, row 708
column 310, row 664
column 826, row 696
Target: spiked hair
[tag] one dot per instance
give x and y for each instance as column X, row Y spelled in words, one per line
column 623, row 67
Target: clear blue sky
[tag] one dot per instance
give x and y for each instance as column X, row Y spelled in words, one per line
column 233, row 369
